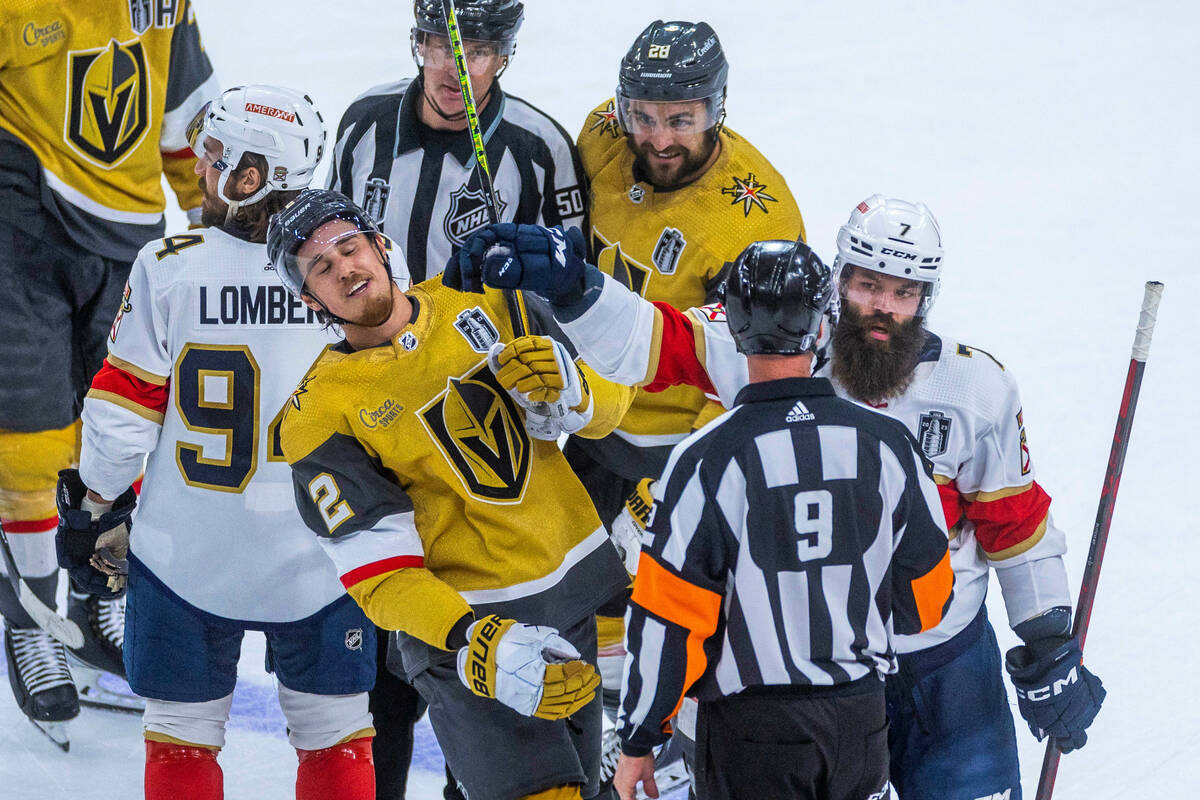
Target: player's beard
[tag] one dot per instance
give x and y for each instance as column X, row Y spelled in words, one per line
column 377, row 310
column 870, row 370
column 687, row 170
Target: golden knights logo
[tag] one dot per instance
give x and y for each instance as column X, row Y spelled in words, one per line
column 627, row 272
column 933, row 432
column 477, row 427
column 468, row 213
column 749, row 192
column 604, row 120
column 108, row 101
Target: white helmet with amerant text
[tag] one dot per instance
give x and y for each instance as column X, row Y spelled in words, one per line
column 281, row 125
column 894, row 237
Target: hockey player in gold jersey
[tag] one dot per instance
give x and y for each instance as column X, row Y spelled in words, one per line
column 675, row 196
column 447, row 521
column 95, row 96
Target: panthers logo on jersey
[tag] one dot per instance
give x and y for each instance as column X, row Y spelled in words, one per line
column 477, row 427
column 108, row 101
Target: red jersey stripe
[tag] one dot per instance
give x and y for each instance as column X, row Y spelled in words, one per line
column 375, row 568
column 677, row 362
column 117, row 381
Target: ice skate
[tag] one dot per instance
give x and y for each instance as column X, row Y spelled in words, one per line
column 41, row 681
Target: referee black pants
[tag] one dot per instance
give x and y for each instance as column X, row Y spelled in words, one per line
column 815, row 743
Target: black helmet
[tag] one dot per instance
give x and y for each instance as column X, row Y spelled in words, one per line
column 290, row 229
column 775, row 296
column 481, row 20
column 674, row 61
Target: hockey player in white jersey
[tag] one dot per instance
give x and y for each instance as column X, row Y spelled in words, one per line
column 203, row 355
column 951, row 730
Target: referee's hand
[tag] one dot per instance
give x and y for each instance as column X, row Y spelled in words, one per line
column 632, row 770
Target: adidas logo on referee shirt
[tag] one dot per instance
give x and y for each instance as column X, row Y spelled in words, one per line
column 799, row 413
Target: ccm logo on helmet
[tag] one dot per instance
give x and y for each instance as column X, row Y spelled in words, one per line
column 887, row 251
column 270, row 111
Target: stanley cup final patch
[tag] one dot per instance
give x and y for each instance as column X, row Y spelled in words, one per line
column 375, row 199
column 933, row 432
column 477, row 329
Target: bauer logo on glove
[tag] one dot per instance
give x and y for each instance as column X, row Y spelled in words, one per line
column 529, row 668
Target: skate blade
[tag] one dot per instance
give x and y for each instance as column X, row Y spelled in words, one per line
column 99, row 689
column 55, row 732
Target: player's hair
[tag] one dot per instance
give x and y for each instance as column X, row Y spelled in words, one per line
column 251, row 221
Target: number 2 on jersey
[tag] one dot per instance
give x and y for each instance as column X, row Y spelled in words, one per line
column 217, row 393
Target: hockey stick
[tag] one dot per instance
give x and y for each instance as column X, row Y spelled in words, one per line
column 1108, row 499
column 516, row 304
column 47, row 619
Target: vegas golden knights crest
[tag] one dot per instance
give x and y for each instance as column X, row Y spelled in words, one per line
column 108, row 101
column 478, row 429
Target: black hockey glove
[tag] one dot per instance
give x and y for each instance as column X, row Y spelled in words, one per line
column 92, row 547
column 1056, row 694
column 545, row 261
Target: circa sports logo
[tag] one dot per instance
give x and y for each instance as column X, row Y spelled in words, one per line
column 749, row 192
column 108, row 101
column 468, row 213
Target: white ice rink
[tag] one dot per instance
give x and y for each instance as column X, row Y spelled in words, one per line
column 1057, row 144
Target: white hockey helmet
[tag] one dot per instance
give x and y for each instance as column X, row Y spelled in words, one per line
column 282, row 125
column 894, row 237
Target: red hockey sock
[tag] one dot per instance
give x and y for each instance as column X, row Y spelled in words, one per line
column 345, row 771
column 180, row 770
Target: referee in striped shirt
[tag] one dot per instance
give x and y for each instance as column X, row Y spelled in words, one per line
column 789, row 539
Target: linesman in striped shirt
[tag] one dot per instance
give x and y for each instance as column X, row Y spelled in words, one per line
column 790, row 539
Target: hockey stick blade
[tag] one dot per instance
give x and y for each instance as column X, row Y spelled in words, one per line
column 59, row 627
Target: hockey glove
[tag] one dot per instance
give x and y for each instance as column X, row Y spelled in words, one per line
column 539, row 374
column 529, row 668
column 531, row 258
column 1056, row 694
column 92, row 541
column 631, row 524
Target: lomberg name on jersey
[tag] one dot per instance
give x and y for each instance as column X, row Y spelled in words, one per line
column 252, row 305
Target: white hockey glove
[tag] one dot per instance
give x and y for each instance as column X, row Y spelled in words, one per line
column 539, row 374
column 529, row 668
column 630, row 525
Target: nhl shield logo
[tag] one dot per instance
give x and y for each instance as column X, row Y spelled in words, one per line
column 477, row 329
column 139, row 15
column 468, row 213
column 354, row 639
column 933, row 432
column 375, row 199
column 108, row 102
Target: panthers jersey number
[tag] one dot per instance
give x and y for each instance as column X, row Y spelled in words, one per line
column 217, row 394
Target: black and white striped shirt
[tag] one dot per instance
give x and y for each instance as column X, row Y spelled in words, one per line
column 420, row 183
column 789, row 538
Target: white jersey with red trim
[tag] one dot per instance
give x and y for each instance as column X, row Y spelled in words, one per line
column 962, row 406
column 203, row 354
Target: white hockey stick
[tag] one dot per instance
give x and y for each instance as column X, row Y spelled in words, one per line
column 57, row 626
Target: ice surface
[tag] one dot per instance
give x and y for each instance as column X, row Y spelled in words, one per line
column 1056, row 142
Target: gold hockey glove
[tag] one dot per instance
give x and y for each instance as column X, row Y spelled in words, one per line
column 529, row 668
column 630, row 525
column 539, row 374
